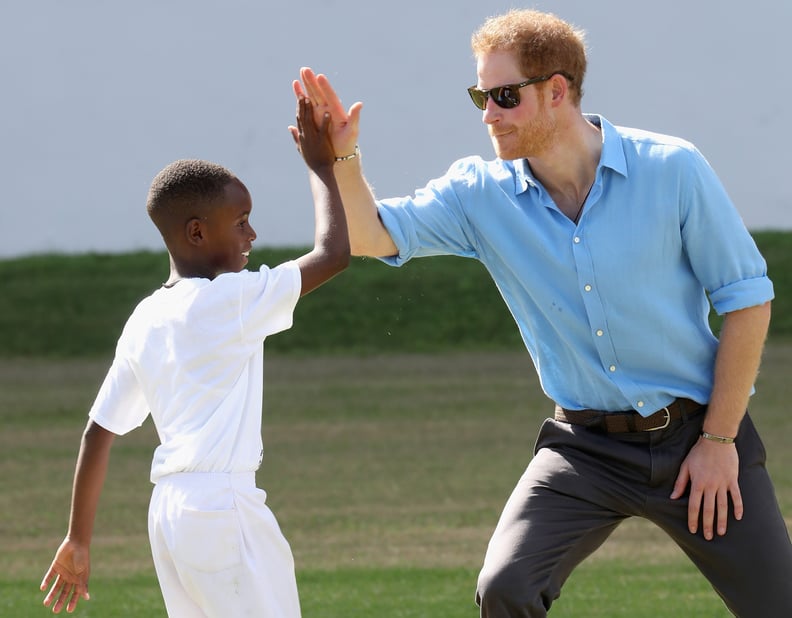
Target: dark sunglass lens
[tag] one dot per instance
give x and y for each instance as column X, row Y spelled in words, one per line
column 507, row 97
column 479, row 98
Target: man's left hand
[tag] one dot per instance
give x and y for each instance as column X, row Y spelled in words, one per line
column 711, row 469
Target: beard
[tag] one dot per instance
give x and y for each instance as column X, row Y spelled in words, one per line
column 531, row 140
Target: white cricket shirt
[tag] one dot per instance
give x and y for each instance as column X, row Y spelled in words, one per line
column 192, row 356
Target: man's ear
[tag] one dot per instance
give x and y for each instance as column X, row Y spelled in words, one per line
column 194, row 231
column 559, row 89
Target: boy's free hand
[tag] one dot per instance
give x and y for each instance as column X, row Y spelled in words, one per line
column 68, row 575
column 313, row 142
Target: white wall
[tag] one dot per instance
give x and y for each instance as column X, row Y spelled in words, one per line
column 98, row 96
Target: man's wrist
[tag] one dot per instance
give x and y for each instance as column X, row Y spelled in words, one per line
column 716, row 438
column 355, row 153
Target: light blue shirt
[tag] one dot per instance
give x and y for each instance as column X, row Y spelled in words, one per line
column 613, row 310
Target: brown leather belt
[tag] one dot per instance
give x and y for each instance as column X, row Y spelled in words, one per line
column 624, row 422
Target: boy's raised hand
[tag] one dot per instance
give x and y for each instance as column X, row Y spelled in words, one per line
column 68, row 575
column 313, row 141
column 345, row 127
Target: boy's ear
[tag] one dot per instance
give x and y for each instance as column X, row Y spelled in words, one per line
column 194, row 231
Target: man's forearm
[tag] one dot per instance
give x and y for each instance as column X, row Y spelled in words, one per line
column 736, row 365
column 367, row 235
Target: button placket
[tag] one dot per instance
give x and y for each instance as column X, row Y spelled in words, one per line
column 595, row 311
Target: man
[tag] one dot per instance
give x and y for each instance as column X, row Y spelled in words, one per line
column 606, row 244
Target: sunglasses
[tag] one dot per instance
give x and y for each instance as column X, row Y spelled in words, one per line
column 507, row 96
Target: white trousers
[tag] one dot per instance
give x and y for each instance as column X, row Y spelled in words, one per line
column 218, row 550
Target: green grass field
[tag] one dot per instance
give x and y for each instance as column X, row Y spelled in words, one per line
column 386, row 473
column 388, row 455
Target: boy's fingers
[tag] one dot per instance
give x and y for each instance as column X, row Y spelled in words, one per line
column 295, row 135
column 73, row 601
column 326, row 119
column 47, row 579
column 62, row 598
column 52, row 592
column 53, row 595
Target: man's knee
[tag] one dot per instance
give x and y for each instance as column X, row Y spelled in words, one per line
column 503, row 593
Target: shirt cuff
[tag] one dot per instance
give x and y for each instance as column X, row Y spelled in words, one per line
column 742, row 294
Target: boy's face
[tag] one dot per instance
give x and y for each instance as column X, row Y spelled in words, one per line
column 229, row 236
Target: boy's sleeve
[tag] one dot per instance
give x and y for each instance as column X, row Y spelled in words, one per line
column 120, row 405
column 268, row 298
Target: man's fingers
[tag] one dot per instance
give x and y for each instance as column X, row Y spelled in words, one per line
column 298, row 89
column 723, row 511
column 354, row 112
column 321, row 92
column 708, row 514
column 694, row 510
column 309, row 83
column 682, row 480
column 737, row 502
column 330, row 98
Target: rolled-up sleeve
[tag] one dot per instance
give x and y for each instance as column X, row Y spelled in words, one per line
column 742, row 294
column 432, row 222
column 722, row 252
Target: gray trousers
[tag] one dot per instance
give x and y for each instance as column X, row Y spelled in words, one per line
column 582, row 483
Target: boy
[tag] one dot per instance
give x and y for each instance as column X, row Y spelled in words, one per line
column 191, row 356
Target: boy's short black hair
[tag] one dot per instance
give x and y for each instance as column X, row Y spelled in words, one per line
column 185, row 189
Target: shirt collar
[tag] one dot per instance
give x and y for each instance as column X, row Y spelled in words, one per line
column 612, row 155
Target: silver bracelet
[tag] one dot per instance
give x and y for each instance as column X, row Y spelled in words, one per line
column 350, row 156
column 714, row 438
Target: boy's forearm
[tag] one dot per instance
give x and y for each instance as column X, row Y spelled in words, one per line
column 330, row 254
column 89, row 477
column 331, row 235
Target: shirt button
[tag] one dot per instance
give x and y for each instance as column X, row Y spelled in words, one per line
column 577, row 239
column 600, row 333
column 587, row 287
column 640, row 404
column 612, row 368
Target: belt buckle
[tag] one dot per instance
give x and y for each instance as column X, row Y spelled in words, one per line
column 667, row 420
